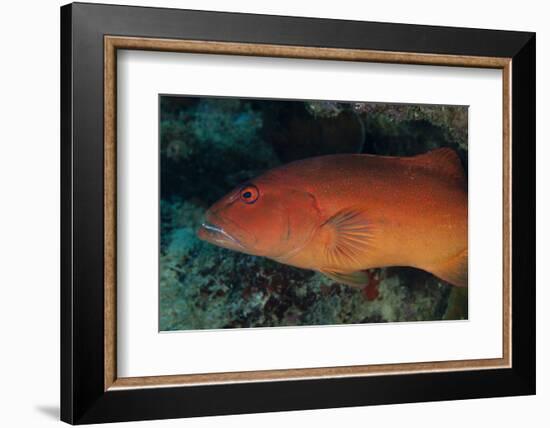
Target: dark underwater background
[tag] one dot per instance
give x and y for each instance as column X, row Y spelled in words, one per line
column 210, row 145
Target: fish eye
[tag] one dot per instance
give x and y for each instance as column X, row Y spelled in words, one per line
column 249, row 194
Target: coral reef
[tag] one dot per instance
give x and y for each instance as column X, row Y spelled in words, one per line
column 210, row 145
column 215, row 139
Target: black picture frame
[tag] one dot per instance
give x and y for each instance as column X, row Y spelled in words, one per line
column 83, row 398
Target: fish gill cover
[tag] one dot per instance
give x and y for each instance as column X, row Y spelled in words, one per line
column 210, row 145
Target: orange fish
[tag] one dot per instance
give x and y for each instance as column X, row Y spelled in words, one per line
column 343, row 214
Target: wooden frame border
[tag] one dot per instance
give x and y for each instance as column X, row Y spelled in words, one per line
column 113, row 43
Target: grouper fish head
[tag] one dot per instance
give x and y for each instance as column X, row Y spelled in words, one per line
column 264, row 217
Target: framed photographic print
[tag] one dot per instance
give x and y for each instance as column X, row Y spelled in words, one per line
column 265, row 213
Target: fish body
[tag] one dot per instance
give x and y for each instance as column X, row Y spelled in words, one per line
column 343, row 214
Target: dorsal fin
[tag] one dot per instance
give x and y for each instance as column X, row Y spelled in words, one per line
column 444, row 161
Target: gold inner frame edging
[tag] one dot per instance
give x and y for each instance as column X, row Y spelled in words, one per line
column 113, row 43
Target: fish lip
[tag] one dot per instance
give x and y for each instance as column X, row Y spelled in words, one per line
column 217, row 235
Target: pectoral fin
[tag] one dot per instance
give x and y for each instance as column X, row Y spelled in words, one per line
column 454, row 270
column 355, row 279
column 348, row 237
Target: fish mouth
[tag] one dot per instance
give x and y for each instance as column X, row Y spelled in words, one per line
column 217, row 235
